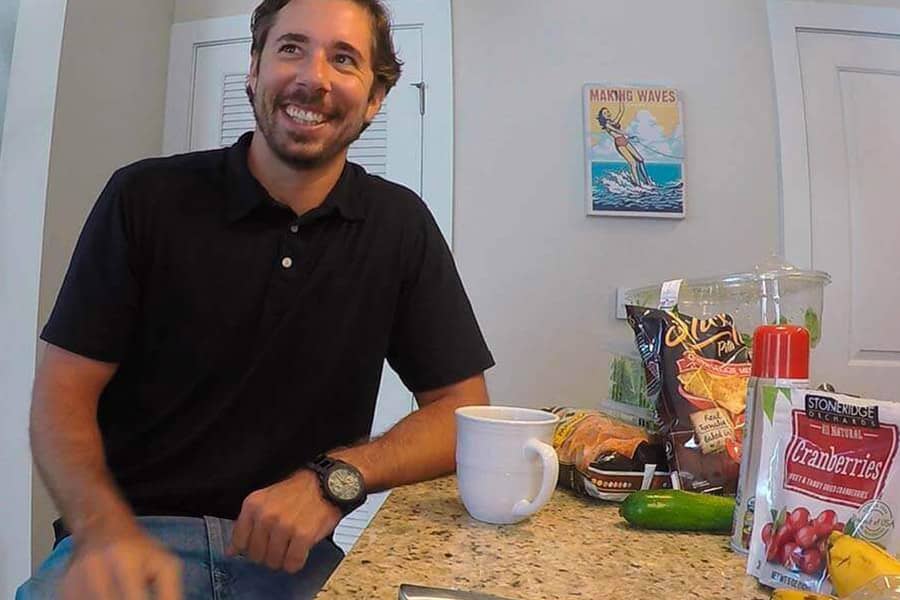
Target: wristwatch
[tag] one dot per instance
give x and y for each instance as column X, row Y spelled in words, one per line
column 342, row 483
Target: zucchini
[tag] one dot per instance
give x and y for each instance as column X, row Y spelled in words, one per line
column 677, row 510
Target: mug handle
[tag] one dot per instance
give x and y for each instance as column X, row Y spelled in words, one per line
column 550, row 473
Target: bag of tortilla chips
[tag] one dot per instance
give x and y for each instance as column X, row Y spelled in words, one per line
column 697, row 369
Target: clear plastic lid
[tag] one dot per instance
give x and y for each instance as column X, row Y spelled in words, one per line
column 774, row 292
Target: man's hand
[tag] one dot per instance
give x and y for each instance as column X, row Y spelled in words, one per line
column 122, row 567
column 278, row 525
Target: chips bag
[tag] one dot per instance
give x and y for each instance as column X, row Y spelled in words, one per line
column 606, row 458
column 697, row 371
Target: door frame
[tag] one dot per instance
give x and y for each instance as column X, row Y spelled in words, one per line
column 433, row 16
column 186, row 41
column 786, row 19
column 24, row 169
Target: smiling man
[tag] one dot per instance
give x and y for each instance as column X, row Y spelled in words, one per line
column 202, row 410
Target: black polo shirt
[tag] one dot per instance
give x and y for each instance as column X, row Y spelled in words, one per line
column 248, row 339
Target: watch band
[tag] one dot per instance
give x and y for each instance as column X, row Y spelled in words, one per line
column 321, row 464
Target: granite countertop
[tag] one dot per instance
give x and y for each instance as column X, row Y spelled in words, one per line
column 572, row 548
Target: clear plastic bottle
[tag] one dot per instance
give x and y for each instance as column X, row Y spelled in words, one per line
column 780, row 360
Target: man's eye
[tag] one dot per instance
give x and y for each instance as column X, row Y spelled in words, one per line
column 289, row 48
column 345, row 59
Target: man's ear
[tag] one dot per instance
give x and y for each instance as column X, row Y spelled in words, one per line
column 376, row 97
column 252, row 77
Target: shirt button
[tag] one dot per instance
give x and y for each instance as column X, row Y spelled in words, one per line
column 294, row 228
column 286, row 262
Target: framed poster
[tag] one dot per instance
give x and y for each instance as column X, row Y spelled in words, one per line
column 634, row 151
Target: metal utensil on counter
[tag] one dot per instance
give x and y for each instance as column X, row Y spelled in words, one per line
column 417, row 592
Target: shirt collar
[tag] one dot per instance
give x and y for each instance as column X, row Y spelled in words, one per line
column 245, row 192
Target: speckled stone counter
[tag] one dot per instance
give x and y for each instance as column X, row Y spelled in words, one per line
column 572, row 548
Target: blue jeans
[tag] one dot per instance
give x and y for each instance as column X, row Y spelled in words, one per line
column 207, row 574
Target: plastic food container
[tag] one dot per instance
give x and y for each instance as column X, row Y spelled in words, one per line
column 628, row 400
column 773, row 293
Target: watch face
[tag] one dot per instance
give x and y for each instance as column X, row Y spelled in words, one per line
column 344, row 484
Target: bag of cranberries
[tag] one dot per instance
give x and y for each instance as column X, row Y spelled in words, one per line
column 833, row 467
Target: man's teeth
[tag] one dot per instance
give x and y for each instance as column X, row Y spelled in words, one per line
column 307, row 117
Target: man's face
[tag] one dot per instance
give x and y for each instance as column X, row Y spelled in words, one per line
column 313, row 80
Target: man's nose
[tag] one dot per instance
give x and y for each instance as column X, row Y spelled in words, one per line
column 315, row 72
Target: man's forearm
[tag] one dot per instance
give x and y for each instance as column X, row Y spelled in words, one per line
column 421, row 446
column 69, row 455
column 68, row 451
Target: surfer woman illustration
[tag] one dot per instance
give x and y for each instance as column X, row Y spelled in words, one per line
column 613, row 126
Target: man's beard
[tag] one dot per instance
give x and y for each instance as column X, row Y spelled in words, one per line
column 283, row 142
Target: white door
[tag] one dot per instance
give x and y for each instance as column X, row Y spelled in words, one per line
column 207, row 108
column 839, row 129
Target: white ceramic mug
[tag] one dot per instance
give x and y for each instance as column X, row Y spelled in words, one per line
column 506, row 467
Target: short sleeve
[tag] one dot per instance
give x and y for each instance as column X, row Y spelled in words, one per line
column 435, row 339
column 96, row 308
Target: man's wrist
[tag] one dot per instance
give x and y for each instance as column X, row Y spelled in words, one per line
column 98, row 528
column 340, row 482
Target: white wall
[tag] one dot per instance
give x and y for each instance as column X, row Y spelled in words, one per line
column 8, row 11
column 109, row 112
column 543, row 276
column 192, row 10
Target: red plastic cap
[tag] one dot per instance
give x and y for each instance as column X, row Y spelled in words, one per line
column 780, row 352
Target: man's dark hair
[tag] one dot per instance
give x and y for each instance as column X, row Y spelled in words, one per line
column 384, row 59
